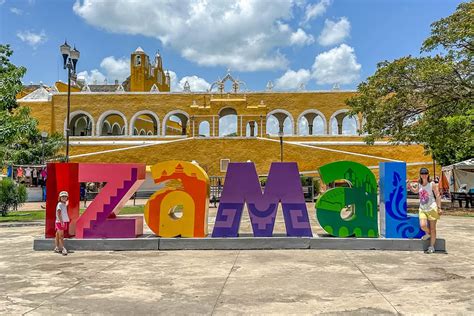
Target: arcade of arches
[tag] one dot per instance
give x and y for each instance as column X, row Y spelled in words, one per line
column 229, row 121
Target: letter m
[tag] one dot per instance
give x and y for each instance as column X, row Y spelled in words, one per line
column 242, row 186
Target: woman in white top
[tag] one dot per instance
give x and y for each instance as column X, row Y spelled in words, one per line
column 430, row 206
column 62, row 223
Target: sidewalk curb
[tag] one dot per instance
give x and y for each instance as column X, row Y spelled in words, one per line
column 21, row 224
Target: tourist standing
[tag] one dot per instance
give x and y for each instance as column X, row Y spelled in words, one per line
column 28, row 171
column 34, row 175
column 19, row 175
column 430, row 206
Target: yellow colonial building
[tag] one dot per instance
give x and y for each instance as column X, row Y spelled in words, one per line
column 140, row 120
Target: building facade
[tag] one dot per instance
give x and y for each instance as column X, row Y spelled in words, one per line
column 140, row 120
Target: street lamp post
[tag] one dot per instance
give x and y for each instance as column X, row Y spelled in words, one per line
column 70, row 57
column 44, row 135
column 280, row 134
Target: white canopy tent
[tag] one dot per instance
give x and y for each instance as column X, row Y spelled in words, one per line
column 458, row 174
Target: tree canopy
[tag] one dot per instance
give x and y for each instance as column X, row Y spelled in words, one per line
column 10, row 79
column 427, row 99
column 20, row 139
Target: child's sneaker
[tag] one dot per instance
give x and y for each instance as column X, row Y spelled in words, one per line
column 56, row 250
column 430, row 249
column 64, row 252
column 426, row 237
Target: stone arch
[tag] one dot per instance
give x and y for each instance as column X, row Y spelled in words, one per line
column 153, row 115
column 251, row 129
column 109, row 127
column 317, row 113
column 76, row 115
column 201, row 130
column 103, row 117
column 339, row 118
column 228, row 111
column 183, row 116
column 281, row 115
column 116, row 129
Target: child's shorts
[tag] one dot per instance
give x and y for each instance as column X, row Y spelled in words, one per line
column 64, row 227
column 430, row 215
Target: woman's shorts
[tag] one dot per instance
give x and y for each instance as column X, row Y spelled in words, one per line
column 430, row 215
column 64, row 226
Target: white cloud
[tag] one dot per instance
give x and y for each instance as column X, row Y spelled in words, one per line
column 242, row 35
column 92, row 77
column 174, row 85
column 334, row 32
column 116, row 68
column 31, row 38
column 301, row 38
column 293, row 79
column 338, row 65
column 228, row 125
column 195, row 83
column 111, row 69
column 315, row 10
column 2, row 2
column 16, row 11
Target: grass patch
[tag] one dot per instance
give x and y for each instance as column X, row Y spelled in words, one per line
column 27, row 216
column 139, row 209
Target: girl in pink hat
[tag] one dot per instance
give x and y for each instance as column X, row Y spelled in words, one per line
column 62, row 223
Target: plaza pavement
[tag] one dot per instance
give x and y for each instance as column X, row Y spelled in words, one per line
column 239, row 282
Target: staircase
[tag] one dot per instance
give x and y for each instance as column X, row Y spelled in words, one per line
column 96, row 222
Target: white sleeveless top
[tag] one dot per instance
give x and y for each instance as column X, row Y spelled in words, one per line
column 63, row 208
column 427, row 198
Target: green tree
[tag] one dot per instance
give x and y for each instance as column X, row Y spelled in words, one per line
column 20, row 139
column 10, row 79
column 428, row 99
column 12, row 195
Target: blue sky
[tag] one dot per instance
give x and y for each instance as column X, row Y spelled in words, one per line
column 298, row 44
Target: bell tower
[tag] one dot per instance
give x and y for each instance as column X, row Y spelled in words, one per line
column 138, row 67
column 144, row 75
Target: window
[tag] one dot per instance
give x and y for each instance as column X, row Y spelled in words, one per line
column 224, row 164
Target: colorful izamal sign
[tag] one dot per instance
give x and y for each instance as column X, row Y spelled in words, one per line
column 188, row 186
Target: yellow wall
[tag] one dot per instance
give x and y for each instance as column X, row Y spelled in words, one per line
column 208, row 152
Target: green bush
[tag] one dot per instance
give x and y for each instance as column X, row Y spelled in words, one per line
column 12, row 195
column 316, row 186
